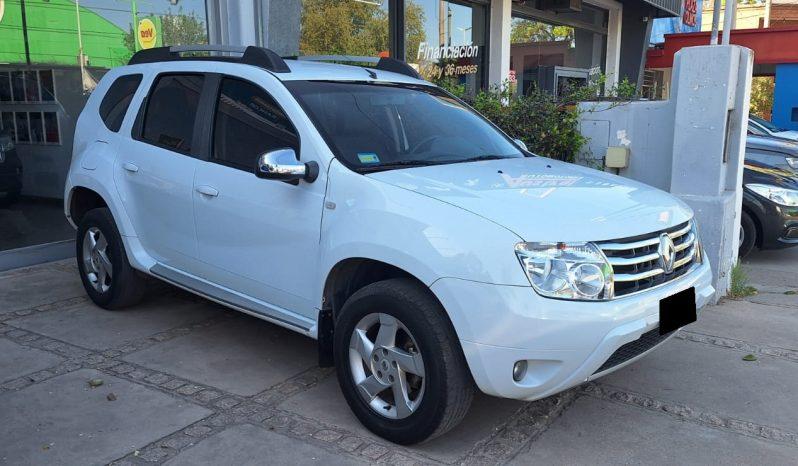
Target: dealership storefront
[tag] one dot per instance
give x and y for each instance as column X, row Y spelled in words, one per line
column 52, row 52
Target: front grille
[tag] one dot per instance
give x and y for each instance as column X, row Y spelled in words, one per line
column 636, row 261
column 628, row 351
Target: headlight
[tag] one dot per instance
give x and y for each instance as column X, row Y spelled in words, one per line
column 577, row 271
column 792, row 161
column 699, row 254
column 782, row 196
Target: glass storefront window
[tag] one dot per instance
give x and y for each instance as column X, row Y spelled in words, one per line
column 445, row 41
column 329, row 27
column 551, row 56
column 43, row 89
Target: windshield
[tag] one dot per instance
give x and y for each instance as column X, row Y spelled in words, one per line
column 768, row 125
column 373, row 127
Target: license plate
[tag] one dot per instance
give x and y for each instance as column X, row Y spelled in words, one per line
column 677, row 311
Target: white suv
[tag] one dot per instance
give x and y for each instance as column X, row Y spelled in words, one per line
column 428, row 253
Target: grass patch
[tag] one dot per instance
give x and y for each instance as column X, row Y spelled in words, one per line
column 739, row 283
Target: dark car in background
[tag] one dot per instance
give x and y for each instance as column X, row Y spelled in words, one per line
column 770, row 195
column 10, row 170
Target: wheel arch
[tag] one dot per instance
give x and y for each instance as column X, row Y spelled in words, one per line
column 82, row 200
column 342, row 281
column 757, row 224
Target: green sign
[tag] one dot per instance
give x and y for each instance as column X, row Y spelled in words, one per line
column 52, row 31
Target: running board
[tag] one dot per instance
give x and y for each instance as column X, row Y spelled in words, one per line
column 232, row 300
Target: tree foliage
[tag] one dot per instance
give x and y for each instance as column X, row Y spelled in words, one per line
column 523, row 31
column 762, row 96
column 346, row 27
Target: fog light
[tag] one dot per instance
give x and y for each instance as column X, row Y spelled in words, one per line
column 519, row 371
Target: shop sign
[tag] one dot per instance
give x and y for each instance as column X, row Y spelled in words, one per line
column 689, row 13
column 148, row 33
column 435, row 69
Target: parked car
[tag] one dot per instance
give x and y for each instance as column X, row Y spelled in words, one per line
column 761, row 127
column 769, row 218
column 10, row 169
column 427, row 252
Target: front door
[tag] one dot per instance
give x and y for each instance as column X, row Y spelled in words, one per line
column 257, row 237
column 154, row 173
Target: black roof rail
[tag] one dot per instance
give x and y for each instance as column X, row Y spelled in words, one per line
column 251, row 55
column 383, row 64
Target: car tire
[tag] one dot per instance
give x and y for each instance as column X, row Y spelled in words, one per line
column 107, row 276
column 748, row 234
column 423, row 340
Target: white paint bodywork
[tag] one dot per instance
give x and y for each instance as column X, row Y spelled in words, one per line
column 271, row 245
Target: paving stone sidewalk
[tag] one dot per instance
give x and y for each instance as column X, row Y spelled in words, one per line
column 186, row 382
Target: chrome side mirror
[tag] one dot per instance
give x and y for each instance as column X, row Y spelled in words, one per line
column 281, row 164
column 520, row 144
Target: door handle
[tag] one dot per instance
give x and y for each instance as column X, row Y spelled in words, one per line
column 130, row 167
column 208, row 191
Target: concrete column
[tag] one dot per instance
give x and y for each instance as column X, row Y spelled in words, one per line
column 500, row 27
column 712, row 86
column 235, row 22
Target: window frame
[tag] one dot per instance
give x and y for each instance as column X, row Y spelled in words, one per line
column 132, row 97
column 197, row 141
column 217, row 79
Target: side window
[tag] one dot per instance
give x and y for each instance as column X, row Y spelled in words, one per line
column 171, row 111
column 117, row 100
column 248, row 124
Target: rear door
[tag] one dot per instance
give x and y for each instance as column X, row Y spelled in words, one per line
column 258, row 237
column 154, row 171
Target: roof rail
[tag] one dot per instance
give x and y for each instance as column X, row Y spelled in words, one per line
column 384, row 63
column 251, row 55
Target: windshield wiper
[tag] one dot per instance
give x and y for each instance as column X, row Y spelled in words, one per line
column 398, row 164
column 481, row 158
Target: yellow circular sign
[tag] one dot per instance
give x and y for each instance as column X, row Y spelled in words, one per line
column 2, row 9
column 147, row 34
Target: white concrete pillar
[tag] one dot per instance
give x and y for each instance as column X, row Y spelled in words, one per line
column 711, row 88
column 235, row 22
column 499, row 53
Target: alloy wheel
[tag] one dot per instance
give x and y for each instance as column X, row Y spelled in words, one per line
column 96, row 264
column 387, row 366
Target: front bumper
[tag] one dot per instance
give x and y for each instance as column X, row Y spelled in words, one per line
column 563, row 342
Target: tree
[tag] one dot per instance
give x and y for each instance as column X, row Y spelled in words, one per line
column 762, row 96
column 346, row 27
column 523, row 31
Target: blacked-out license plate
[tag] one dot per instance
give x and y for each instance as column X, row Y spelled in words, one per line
column 677, row 311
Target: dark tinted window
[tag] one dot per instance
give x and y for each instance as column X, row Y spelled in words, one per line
column 171, row 111
column 248, row 124
column 373, row 125
column 117, row 100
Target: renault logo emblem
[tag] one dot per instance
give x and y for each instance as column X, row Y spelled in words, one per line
column 667, row 253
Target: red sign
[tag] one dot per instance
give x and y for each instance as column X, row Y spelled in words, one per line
column 689, row 12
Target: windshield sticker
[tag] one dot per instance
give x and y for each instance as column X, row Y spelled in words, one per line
column 368, row 157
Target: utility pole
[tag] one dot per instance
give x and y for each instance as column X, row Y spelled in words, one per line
column 134, row 11
column 766, row 22
column 718, row 5
column 728, row 20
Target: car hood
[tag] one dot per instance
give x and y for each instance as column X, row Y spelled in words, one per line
column 540, row 199
column 789, row 134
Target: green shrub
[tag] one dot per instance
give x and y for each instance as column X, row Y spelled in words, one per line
column 548, row 125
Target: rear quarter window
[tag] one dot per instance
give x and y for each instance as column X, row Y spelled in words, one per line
column 117, row 100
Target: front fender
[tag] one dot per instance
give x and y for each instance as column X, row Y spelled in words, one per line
column 423, row 236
